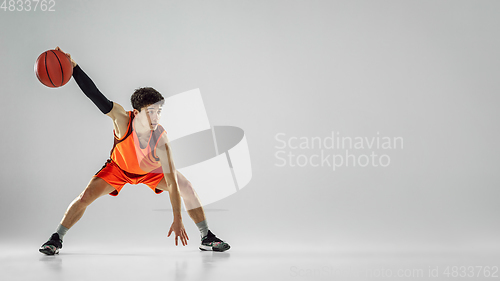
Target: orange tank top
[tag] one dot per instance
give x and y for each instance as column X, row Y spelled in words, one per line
column 128, row 154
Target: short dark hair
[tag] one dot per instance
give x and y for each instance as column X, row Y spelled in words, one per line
column 144, row 97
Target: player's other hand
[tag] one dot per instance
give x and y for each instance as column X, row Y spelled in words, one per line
column 178, row 228
column 68, row 55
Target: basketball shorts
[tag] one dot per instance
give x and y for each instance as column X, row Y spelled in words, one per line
column 117, row 178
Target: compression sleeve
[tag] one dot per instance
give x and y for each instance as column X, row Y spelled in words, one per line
column 90, row 90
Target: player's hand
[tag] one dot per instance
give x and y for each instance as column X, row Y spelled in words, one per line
column 178, row 228
column 68, row 55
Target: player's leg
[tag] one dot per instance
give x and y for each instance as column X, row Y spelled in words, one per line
column 96, row 188
column 195, row 210
column 189, row 196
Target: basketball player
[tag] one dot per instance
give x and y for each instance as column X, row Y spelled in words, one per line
column 141, row 154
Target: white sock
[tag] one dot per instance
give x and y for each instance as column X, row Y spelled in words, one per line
column 61, row 230
column 203, row 227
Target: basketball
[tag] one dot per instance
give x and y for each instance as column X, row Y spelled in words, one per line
column 53, row 68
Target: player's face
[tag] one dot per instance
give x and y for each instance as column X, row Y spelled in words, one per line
column 150, row 116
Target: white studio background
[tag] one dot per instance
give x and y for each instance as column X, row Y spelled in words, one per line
column 424, row 71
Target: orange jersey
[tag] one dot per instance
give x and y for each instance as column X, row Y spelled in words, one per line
column 128, row 154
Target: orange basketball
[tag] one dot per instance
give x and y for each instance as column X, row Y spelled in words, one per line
column 53, row 68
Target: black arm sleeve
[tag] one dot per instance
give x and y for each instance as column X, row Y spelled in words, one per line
column 90, row 90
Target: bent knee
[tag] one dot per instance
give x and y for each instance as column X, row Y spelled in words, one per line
column 85, row 199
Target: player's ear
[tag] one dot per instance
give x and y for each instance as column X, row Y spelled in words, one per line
column 136, row 112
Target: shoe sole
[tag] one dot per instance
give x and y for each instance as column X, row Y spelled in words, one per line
column 210, row 248
column 48, row 251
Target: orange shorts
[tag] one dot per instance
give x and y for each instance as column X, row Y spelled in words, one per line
column 117, row 178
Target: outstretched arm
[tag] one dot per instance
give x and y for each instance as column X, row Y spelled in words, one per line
column 111, row 109
column 165, row 154
column 89, row 88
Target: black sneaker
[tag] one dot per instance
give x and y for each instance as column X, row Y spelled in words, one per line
column 212, row 243
column 52, row 246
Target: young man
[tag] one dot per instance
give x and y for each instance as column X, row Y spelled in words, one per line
column 141, row 154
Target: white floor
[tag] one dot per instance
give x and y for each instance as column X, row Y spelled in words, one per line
column 120, row 261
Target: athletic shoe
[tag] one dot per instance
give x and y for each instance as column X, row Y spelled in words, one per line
column 52, row 246
column 212, row 243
